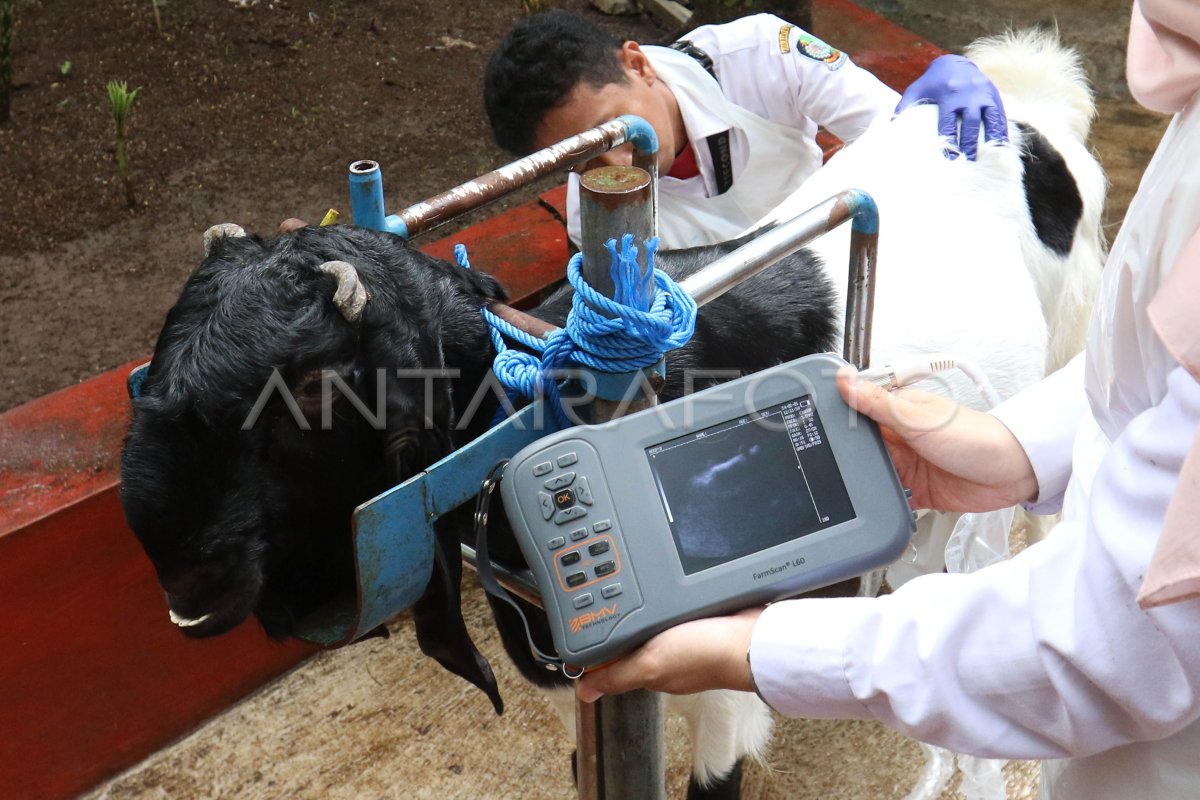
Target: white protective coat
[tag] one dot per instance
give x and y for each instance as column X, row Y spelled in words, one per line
column 770, row 98
column 1049, row 655
column 961, row 271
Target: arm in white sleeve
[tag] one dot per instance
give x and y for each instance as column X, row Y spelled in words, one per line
column 1044, row 419
column 1044, row 656
column 761, row 64
column 845, row 101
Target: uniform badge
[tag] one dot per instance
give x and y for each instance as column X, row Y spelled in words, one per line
column 814, row 48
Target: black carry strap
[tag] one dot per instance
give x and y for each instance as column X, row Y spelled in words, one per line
column 686, row 47
column 718, row 143
column 487, row 576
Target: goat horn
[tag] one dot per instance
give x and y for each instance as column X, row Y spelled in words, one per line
column 351, row 296
column 222, row 230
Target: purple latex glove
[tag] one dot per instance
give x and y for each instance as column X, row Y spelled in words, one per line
column 965, row 99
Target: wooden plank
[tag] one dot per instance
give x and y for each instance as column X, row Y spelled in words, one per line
column 93, row 675
column 525, row 247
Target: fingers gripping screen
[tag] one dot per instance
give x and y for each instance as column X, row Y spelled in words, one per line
column 749, row 484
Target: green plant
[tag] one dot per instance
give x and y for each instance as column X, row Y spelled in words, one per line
column 64, row 68
column 154, row 4
column 121, row 101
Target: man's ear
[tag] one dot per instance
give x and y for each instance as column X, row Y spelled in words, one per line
column 634, row 60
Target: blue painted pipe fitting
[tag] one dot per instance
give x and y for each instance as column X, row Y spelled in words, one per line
column 641, row 133
column 366, row 200
column 864, row 212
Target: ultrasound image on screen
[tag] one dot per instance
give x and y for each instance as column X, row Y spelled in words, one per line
column 749, row 484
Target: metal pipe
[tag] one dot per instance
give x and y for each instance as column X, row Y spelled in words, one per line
column 366, row 188
column 619, row 742
column 518, row 582
column 860, row 299
column 613, row 201
column 773, row 245
column 589, row 752
column 366, row 199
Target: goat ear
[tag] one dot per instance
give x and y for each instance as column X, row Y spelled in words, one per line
column 414, row 441
column 473, row 282
column 441, row 629
column 417, row 433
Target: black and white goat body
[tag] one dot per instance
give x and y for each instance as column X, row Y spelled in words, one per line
column 244, row 521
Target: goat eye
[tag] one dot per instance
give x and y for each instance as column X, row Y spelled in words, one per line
column 403, row 442
column 308, row 386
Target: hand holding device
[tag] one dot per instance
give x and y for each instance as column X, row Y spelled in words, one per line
column 693, row 657
column 755, row 490
column 953, row 458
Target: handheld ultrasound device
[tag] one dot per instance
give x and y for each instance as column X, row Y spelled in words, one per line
column 744, row 493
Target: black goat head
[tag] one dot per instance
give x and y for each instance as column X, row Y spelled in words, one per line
column 294, row 379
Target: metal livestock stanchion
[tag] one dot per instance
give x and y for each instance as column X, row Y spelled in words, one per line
column 619, row 739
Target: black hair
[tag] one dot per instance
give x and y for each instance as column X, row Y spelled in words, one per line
column 536, row 65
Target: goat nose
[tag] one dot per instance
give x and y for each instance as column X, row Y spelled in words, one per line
column 181, row 582
column 177, row 584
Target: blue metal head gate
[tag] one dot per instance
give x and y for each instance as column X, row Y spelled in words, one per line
column 393, row 533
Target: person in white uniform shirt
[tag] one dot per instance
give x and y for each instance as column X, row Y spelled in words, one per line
column 735, row 107
column 1084, row 649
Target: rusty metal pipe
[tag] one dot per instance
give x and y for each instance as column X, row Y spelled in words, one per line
column 366, row 187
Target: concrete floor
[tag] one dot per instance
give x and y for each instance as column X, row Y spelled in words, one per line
column 377, row 720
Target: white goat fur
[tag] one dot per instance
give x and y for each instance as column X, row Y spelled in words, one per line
column 961, row 271
column 956, row 238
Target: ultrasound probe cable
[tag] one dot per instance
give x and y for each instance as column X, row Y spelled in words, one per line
column 893, row 377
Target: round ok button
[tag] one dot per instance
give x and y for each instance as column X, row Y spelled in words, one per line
column 564, row 498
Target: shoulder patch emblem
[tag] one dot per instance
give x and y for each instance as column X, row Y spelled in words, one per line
column 817, row 50
column 785, row 46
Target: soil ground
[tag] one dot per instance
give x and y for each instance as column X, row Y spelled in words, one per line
column 251, row 115
column 248, row 115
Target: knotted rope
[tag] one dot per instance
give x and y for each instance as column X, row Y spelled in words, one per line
column 619, row 335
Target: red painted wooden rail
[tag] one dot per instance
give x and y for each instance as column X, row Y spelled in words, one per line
column 93, row 677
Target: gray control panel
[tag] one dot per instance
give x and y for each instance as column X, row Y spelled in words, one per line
column 745, row 493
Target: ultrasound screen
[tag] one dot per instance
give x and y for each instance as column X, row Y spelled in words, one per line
column 748, row 484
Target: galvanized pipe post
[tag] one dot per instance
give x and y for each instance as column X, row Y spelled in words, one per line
column 620, row 751
column 769, row 247
column 619, row 739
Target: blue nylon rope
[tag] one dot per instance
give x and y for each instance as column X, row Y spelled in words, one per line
column 637, row 335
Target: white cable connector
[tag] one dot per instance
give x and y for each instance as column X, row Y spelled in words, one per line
column 895, row 376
